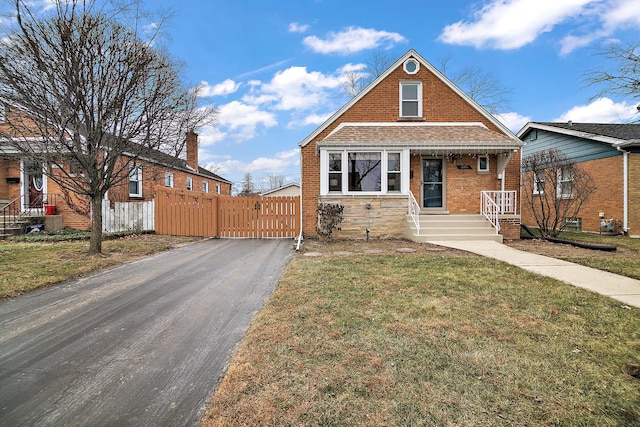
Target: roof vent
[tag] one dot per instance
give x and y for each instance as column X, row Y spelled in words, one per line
column 570, row 123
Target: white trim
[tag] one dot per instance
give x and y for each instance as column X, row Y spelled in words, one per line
column 615, row 142
column 137, row 168
column 171, row 178
column 412, row 61
column 488, row 168
column 418, row 98
column 205, row 186
column 189, row 184
column 429, row 67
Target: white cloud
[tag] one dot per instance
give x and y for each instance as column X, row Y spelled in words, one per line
column 294, row 89
column 511, row 24
column 513, row 121
column 241, row 121
column 227, row 87
column 605, row 19
column 260, row 166
column 294, row 27
column 312, row 119
column 602, row 110
column 209, row 135
column 352, row 40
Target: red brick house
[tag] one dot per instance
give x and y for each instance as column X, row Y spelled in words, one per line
column 413, row 156
column 610, row 153
column 25, row 184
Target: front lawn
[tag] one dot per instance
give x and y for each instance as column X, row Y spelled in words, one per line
column 431, row 339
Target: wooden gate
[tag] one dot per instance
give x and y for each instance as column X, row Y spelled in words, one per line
column 188, row 213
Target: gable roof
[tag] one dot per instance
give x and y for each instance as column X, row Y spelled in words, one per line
column 158, row 157
column 381, row 77
column 291, row 184
column 440, row 137
column 616, row 134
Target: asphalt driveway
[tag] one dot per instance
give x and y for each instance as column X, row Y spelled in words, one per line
column 142, row 344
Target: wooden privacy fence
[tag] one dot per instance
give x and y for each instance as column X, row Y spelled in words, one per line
column 187, row 213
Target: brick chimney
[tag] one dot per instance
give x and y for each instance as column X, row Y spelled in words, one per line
column 192, row 150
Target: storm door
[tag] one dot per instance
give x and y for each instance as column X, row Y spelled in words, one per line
column 432, row 183
column 34, row 185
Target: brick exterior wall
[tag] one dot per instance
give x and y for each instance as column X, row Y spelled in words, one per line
column 440, row 104
column 608, row 196
column 76, row 210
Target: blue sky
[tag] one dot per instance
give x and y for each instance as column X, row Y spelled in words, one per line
column 273, row 68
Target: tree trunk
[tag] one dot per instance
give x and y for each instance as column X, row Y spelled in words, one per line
column 95, row 244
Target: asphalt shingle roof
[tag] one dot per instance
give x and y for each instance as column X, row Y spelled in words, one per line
column 623, row 131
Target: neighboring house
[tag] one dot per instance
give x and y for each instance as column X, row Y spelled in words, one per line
column 610, row 153
column 408, row 157
column 291, row 189
column 25, row 182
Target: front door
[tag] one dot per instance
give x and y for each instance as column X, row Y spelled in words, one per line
column 34, row 185
column 433, row 191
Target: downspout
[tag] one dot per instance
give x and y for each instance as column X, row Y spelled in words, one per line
column 625, row 191
column 300, row 236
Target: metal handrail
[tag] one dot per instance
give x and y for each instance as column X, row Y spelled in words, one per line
column 414, row 211
column 23, row 206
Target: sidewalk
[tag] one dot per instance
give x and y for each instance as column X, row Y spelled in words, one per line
column 621, row 288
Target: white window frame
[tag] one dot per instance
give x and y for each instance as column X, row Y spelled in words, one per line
column 135, row 171
column 189, row 183
column 205, row 186
column 485, row 170
column 384, row 172
column 559, row 190
column 218, row 188
column 419, row 100
column 168, row 179
column 414, row 62
column 538, row 178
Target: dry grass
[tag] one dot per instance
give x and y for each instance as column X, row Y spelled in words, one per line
column 25, row 266
column 430, row 339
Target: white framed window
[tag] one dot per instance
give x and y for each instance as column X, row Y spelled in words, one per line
column 410, row 99
column 483, row 163
column 411, row 66
column 335, row 171
column 363, row 171
column 189, row 183
column 393, row 172
column 565, row 183
column 135, row 181
column 217, row 188
column 168, row 179
column 205, row 186
column 538, row 183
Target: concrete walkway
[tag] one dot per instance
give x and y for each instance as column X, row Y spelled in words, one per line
column 622, row 288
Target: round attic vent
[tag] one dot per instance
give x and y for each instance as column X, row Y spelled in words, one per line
column 411, row 66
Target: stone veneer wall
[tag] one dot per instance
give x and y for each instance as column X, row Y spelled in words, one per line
column 385, row 219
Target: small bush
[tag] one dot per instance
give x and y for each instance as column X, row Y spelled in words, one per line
column 329, row 216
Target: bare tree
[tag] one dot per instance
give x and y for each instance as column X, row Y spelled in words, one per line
column 554, row 188
column 481, row 86
column 355, row 81
column 247, row 186
column 95, row 94
column 622, row 77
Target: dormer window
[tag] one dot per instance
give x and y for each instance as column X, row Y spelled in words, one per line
column 411, row 66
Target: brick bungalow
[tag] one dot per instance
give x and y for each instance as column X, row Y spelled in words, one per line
column 25, row 183
column 611, row 155
column 413, row 156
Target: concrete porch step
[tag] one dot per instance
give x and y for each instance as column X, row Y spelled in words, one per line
column 451, row 228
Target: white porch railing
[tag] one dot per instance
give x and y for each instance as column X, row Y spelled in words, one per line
column 495, row 203
column 414, row 211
